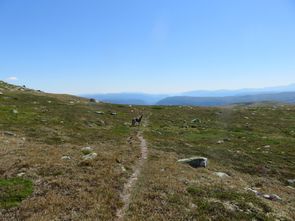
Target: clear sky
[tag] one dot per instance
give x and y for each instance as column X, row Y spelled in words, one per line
column 155, row 46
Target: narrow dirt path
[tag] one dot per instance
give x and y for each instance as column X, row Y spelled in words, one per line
column 128, row 187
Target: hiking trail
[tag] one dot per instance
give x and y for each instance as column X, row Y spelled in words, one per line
column 130, row 184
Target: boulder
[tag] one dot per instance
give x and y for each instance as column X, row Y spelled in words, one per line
column 195, row 161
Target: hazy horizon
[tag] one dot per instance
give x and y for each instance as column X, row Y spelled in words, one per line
column 158, row 47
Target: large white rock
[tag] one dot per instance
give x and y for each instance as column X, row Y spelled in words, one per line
column 195, row 161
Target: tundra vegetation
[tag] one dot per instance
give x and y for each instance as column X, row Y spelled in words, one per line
column 69, row 158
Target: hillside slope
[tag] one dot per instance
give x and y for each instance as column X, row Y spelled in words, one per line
column 42, row 140
column 46, row 173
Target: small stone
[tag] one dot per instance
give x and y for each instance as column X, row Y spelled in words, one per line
column 15, row 111
column 253, row 191
column 87, row 149
column 20, row 174
column 272, row 197
column 1, row 93
column 101, row 123
column 8, row 133
column 99, row 112
column 221, row 174
column 220, row 142
column 123, row 168
column 66, row 158
column 113, row 113
column 196, row 120
column 193, row 206
column 90, row 156
column 49, row 102
column 291, row 181
column 266, row 146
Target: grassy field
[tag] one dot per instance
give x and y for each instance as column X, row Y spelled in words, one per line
column 44, row 173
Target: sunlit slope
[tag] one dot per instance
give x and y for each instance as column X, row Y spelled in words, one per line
column 68, row 158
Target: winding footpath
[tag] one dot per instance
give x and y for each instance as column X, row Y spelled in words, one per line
column 129, row 185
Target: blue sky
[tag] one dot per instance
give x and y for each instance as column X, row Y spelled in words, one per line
column 154, row 46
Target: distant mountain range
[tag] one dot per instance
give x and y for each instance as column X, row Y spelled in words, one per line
column 284, row 97
column 239, row 92
column 128, row 98
column 284, row 94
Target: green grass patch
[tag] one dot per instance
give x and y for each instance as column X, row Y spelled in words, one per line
column 13, row 191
